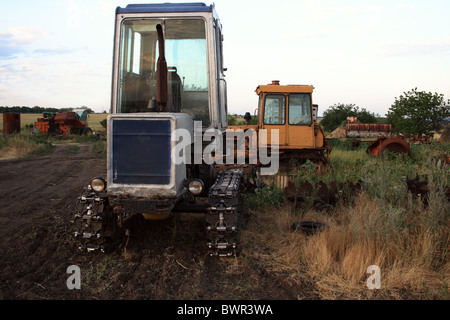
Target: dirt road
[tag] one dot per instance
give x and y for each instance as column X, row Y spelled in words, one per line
column 163, row 260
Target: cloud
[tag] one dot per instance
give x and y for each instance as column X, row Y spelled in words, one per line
column 21, row 35
column 54, row 51
column 18, row 72
column 8, row 48
column 15, row 40
column 9, row 52
column 21, row 40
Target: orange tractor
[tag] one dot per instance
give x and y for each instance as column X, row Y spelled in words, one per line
column 64, row 123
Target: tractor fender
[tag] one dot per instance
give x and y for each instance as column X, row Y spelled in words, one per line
column 392, row 144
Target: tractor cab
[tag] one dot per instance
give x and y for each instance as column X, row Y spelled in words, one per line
column 289, row 109
column 168, row 77
column 168, row 58
column 288, row 113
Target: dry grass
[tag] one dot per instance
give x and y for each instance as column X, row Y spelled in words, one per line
column 411, row 260
column 14, row 152
column 21, row 145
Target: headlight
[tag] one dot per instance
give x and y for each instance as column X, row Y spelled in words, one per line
column 98, row 184
column 196, row 187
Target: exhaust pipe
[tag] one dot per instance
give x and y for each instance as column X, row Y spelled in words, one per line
column 161, row 73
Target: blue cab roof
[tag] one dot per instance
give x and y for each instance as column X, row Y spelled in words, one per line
column 165, row 8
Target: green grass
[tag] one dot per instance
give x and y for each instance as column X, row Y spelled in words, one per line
column 25, row 144
column 349, row 165
column 100, row 147
column 72, row 150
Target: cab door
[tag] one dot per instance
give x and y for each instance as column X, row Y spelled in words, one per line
column 274, row 117
column 300, row 131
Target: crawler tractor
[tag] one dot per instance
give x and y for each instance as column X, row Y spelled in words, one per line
column 168, row 78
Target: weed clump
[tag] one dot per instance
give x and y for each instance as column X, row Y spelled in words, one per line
column 21, row 145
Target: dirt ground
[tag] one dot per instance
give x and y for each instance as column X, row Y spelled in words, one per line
column 164, row 260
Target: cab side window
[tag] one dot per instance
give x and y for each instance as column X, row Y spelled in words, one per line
column 300, row 109
column 275, row 109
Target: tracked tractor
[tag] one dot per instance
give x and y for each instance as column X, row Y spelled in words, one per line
column 168, row 106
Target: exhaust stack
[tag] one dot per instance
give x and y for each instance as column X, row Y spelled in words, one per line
column 161, row 73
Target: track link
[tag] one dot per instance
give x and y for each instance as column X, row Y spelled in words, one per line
column 224, row 214
column 94, row 224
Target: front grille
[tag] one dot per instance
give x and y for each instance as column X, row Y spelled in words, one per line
column 141, row 151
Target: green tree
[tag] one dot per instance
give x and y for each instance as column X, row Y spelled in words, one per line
column 336, row 116
column 418, row 112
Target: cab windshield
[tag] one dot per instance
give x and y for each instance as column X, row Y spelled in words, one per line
column 299, row 109
column 185, row 53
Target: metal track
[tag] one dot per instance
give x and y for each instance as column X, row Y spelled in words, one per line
column 91, row 221
column 97, row 227
column 224, row 214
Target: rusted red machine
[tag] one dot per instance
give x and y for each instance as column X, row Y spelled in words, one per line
column 64, row 123
column 381, row 131
column 395, row 144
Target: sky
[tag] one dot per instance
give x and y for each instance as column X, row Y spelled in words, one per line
column 58, row 53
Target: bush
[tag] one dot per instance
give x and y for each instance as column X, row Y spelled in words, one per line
column 262, row 198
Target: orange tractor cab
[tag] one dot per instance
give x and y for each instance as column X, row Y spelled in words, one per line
column 290, row 110
column 64, row 123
